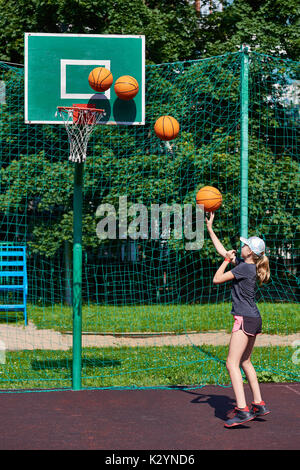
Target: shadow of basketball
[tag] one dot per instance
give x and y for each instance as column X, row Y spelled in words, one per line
column 124, row 111
column 101, row 102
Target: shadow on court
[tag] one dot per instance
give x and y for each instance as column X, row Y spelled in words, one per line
column 173, row 419
column 221, row 404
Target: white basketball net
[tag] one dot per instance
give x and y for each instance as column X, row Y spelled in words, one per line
column 79, row 123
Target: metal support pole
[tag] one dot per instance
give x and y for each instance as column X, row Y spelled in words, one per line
column 77, row 276
column 244, row 99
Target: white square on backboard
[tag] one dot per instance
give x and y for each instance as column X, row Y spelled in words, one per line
column 63, row 78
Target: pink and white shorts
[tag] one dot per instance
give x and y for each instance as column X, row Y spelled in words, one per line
column 250, row 325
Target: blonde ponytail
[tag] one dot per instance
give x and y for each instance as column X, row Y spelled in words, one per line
column 262, row 268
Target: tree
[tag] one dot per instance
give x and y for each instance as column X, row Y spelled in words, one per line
column 169, row 28
column 174, row 30
column 134, row 162
column 270, row 27
column 206, row 96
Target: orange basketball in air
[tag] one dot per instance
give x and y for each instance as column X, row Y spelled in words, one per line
column 100, row 79
column 210, row 197
column 126, row 87
column 166, row 128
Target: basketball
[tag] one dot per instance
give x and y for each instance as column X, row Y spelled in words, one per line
column 100, row 79
column 166, row 127
column 210, row 197
column 126, row 87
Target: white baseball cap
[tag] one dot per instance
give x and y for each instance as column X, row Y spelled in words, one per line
column 256, row 244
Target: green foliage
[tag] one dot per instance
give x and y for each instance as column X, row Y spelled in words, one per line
column 204, row 97
column 269, row 27
column 169, row 31
column 36, row 208
column 173, row 30
column 278, row 319
column 149, row 179
column 166, row 366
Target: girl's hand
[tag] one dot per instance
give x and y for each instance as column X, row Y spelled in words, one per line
column 230, row 255
column 209, row 221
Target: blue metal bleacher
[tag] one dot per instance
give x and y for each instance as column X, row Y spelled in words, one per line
column 13, row 276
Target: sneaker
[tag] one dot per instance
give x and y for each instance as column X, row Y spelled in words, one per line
column 259, row 409
column 241, row 416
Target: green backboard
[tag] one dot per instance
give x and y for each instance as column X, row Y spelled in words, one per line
column 57, row 67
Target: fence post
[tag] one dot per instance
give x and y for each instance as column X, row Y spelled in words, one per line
column 77, row 276
column 244, row 100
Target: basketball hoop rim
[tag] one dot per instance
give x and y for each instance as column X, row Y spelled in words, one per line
column 79, row 108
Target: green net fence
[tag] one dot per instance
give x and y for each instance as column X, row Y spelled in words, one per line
column 151, row 316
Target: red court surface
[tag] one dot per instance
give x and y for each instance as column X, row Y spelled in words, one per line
column 147, row 420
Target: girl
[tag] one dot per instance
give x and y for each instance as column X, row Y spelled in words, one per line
column 254, row 265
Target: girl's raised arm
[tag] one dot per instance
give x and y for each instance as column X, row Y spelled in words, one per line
column 217, row 244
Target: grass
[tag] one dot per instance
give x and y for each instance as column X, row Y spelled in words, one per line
column 165, row 366
column 140, row 367
column 278, row 318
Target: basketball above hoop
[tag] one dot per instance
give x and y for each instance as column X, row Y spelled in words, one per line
column 101, row 79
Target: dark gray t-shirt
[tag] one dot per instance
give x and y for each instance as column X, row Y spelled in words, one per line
column 243, row 289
